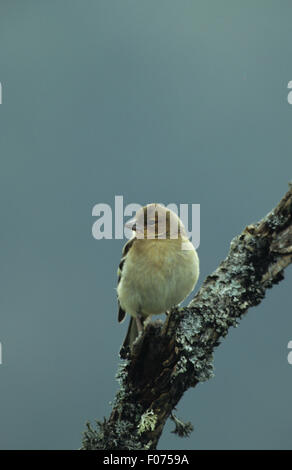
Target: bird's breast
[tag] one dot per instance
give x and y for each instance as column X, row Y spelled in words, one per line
column 157, row 276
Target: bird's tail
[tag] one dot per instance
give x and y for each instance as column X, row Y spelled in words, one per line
column 131, row 335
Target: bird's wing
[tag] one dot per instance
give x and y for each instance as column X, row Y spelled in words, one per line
column 127, row 247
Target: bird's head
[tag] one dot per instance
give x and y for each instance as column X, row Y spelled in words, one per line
column 156, row 221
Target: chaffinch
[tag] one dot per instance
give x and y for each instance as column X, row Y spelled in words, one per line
column 158, row 270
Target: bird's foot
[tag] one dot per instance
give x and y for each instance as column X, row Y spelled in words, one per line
column 139, row 323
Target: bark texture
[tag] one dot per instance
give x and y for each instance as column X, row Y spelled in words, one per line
column 173, row 356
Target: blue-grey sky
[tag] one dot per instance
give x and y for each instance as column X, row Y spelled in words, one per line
column 157, row 100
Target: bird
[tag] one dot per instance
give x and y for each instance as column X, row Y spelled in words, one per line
column 159, row 268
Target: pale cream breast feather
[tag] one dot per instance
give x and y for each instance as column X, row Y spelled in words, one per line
column 157, row 275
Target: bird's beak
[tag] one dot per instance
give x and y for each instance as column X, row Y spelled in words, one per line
column 131, row 224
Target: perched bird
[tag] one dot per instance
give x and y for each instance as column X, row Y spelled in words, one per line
column 158, row 270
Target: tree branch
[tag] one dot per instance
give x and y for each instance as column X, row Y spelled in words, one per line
column 173, row 356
